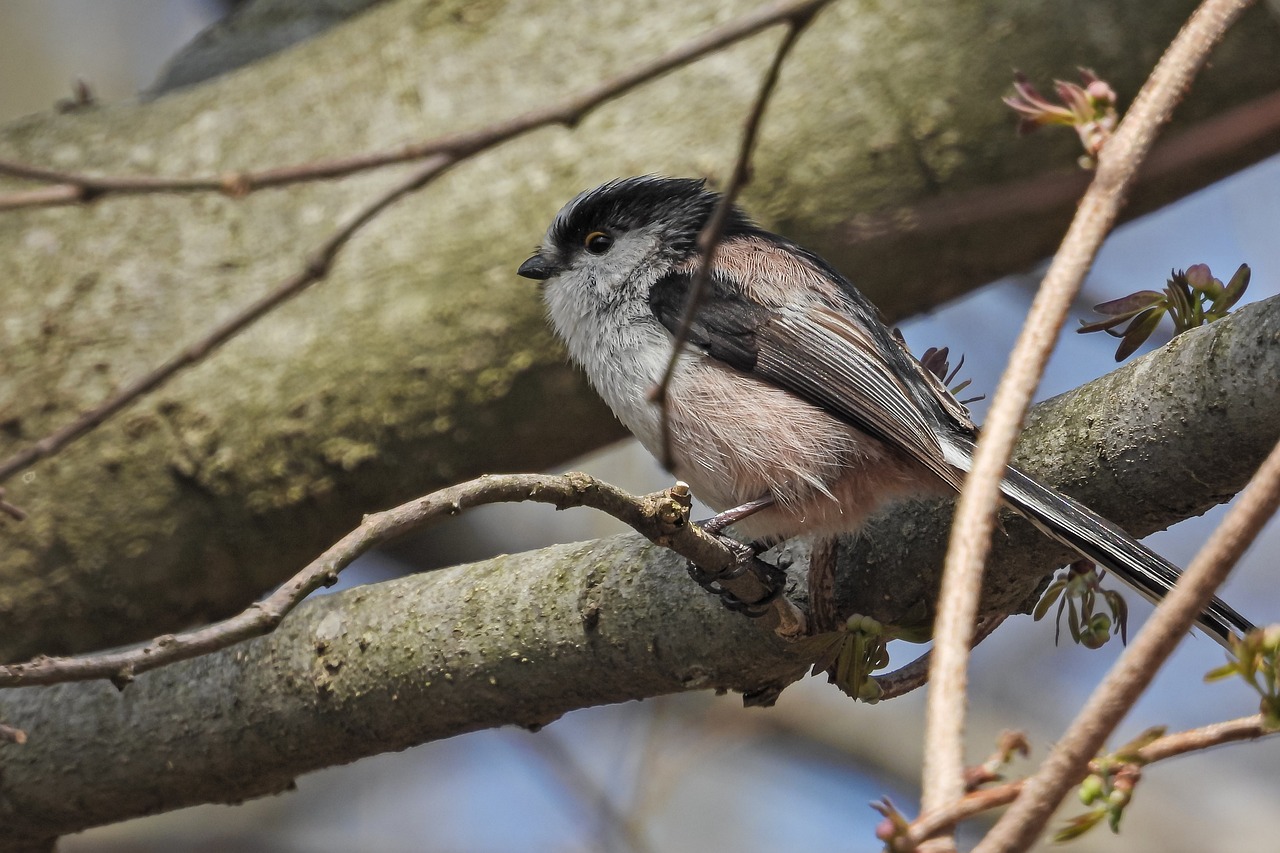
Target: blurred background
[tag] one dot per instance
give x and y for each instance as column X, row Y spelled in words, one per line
column 698, row 772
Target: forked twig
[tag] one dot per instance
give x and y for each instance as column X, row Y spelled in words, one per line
column 1168, row 746
column 660, row 517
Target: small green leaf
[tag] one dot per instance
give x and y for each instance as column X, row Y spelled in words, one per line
column 1178, row 301
column 1120, row 612
column 1079, row 825
column 1097, row 631
column 1091, row 789
column 1046, row 601
column 1227, row 670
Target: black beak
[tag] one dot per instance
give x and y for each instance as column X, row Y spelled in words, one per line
column 537, row 268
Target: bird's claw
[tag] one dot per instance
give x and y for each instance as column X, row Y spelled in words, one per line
column 746, row 560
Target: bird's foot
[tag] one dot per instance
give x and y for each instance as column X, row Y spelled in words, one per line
column 746, row 560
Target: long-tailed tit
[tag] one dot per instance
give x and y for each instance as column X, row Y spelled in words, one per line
column 792, row 395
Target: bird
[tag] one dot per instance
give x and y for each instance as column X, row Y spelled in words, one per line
column 793, row 409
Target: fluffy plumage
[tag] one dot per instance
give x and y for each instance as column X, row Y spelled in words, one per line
column 791, row 387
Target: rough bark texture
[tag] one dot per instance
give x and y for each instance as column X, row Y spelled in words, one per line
column 515, row 640
column 523, row 639
column 1162, row 439
column 424, row 359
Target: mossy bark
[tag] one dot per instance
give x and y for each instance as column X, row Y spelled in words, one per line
column 422, row 359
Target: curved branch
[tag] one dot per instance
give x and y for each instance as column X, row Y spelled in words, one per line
column 662, row 518
column 423, row 361
column 514, row 640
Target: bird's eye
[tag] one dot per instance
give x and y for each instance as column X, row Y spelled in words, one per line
column 598, row 242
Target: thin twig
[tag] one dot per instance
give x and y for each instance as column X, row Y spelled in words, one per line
column 441, row 154
column 17, row 513
column 975, row 514
column 1169, row 746
column 73, row 188
column 1135, row 669
column 659, row 517
column 709, row 237
column 916, row 673
column 315, row 269
column 1201, row 147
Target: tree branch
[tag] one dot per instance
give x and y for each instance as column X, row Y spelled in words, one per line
column 713, row 230
column 1137, row 667
column 424, row 361
column 439, row 155
column 1118, row 165
column 1168, row 746
column 1123, row 386
column 519, row 639
column 522, row 639
column 663, row 518
column 1143, row 445
column 315, row 269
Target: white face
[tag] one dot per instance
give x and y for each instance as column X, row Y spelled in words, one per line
column 621, row 271
column 599, row 306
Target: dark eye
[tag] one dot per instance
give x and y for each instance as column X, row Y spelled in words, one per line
column 598, row 242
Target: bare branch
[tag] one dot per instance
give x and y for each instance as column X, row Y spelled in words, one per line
column 662, row 518
column 710, row 235
column 1169, row 746
column 516, row 639
column 916, row 673
column 72, row 187
column 17, row 513
column 316, row 269
column 975, row 515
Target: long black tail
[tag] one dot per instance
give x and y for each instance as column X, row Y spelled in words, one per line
column 1083, row 530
